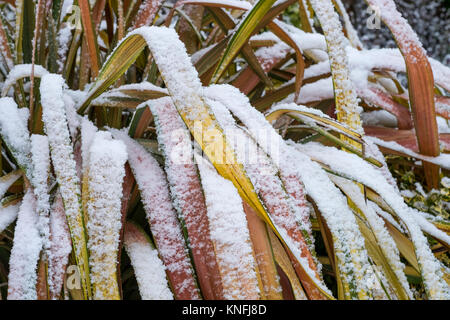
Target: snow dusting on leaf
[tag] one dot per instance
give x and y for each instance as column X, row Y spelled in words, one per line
column 107, row 159
column 148, row 267
column 61, row 150
column 230, row 234
column 40, row 156
column 25, row 252
column 14, row 131
column 353, row 167
column 163, row 220
column 60, row 248
column 175, row 142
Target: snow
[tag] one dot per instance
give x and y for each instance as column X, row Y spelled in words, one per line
column 279, row 165
column 306, row 115
column 443, row 125
column 230, row 235
column 372, row 150
column 392, row 59
column 262, row 172
column 141, row 86
column 377, row 97
column 107, row 159
column 14, row 131
column 300, row 108
column 40, row 155
column 8, row 180
column 383, row 214
column 73, row 119
column 148, row 268
column 233, row 4
column 162, row 217
column 25, row 252
column 353, row 167
column 7, row 215
column 175, row 144
column 60, row 248
column 76, row 95
column 21, row 71
column 360, row 63
column 268, row 55
column 351, row 32
column 443, row 160
column 176, row 69
column 63, row 38
column 61, row 151
column 383, row 238
column 330, row 201
column 265, row 36
column 406, row 37
column 88, row 131
column 305, row 41
column 317, row 69
column 379, row 118
column 317, row 91
column 346, row 101
column 441, row 73
column 5, row 51
column 148, row 10
column 429, row 228
column 65, row 8
column 121, row 92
